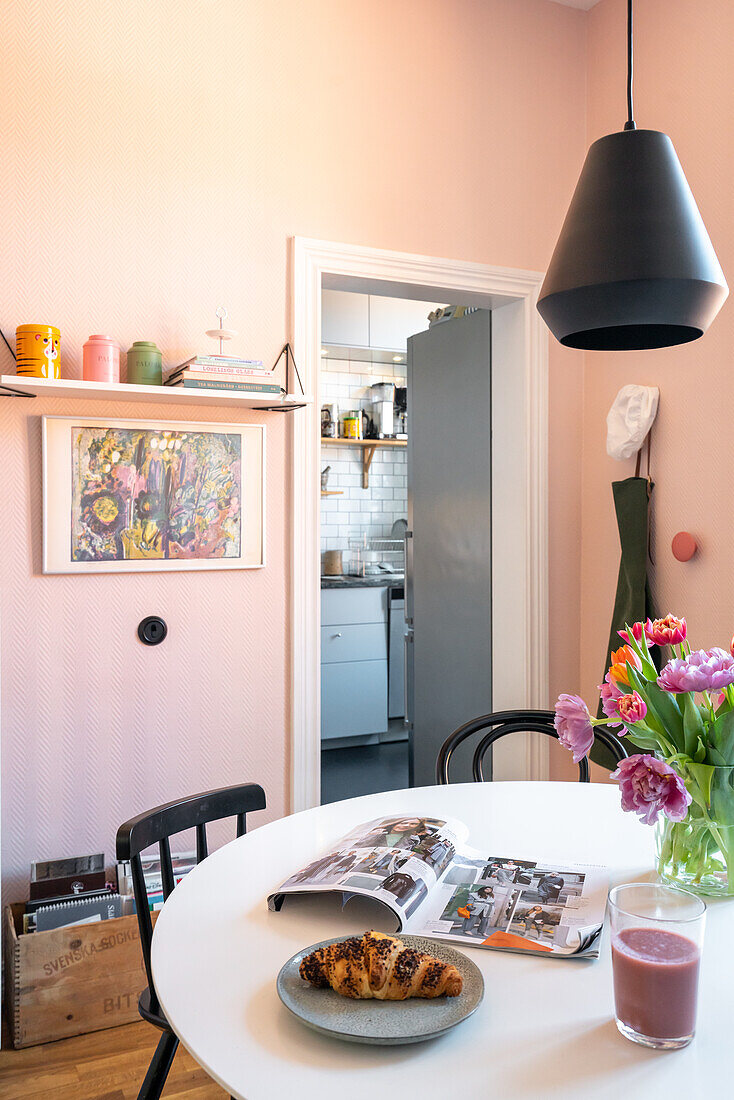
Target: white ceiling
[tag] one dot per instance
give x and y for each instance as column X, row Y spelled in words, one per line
column 584, row 4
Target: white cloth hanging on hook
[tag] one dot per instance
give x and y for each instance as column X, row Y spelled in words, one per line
column 629, row 420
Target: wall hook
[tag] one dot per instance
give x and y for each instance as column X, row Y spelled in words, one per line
column 684, row 546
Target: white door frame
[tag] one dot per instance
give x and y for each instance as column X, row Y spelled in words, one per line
column 520, row 484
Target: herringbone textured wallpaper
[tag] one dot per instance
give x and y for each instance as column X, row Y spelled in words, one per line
column 97, row 726
column 155, row 159
column 123, row 213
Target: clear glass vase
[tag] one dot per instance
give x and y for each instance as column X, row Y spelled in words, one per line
column 698, row 853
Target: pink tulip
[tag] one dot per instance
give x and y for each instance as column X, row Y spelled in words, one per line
column 609, row 694
column 573, row 725
column 637, row 629
column 650, row 787
column 668, row 631
column 703, row 670
column 631, row 708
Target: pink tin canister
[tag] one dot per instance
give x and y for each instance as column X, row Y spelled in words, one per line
column 101, row 360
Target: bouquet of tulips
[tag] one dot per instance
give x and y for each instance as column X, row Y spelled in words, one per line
column 682, row 720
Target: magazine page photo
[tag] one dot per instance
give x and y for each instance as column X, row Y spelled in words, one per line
column 515, row 904
column 420, row 868
column 394, row 860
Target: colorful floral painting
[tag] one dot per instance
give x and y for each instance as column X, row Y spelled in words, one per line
column 140, row 494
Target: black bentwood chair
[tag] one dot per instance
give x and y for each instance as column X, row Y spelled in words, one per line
column 505, row 722
column 157, row 827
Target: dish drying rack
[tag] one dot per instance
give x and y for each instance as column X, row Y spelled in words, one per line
column 374, row 556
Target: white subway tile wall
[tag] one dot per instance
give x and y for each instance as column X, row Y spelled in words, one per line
column 360, row 512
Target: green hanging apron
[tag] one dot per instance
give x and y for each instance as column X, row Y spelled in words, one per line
column 633, row 603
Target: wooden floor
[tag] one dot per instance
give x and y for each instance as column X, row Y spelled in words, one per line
column 106, row 1065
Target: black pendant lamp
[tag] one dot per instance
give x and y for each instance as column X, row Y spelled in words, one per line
column 634, row 266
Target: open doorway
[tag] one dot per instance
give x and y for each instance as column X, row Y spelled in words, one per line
column 519, row 390
column 365, row 425
column 406, row 546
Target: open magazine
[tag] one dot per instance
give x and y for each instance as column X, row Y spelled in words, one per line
column 422, row 870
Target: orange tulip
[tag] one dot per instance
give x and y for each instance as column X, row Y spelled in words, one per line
column 620, row 659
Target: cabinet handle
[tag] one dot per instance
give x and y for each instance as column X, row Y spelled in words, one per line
column 337, row 635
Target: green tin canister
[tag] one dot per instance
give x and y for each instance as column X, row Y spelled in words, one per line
column 144, row 364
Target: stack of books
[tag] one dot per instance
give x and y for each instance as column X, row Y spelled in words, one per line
column 65, row 892
column 224, row 372
column 181, row 863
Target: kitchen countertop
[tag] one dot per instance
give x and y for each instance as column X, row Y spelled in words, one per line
column 378, row 580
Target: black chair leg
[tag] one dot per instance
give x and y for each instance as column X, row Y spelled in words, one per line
column 159, row 1067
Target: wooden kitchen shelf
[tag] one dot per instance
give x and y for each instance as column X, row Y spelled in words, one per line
column 332, row 492
column 165, row 395
column 364, row 442
column 368, row 451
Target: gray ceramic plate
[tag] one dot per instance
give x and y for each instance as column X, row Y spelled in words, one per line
column 384, row 1022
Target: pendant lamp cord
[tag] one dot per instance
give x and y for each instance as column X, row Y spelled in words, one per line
column 630, row 123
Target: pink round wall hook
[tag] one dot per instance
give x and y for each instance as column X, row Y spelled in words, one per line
column 684, row 546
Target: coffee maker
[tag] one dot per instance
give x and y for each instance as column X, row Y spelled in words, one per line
column 383, row 410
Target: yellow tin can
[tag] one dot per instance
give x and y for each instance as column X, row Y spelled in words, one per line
column 38, row 351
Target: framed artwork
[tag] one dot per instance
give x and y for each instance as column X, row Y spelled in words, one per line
column 144, row 496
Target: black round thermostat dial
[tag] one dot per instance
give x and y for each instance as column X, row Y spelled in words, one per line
column 152, row 630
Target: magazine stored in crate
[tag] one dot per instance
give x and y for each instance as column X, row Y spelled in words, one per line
column 71, row 980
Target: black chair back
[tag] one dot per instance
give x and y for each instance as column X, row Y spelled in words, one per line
column 157, row 827
column 503, row 723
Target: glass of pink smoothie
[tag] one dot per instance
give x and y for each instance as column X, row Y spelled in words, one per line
column 657, row 936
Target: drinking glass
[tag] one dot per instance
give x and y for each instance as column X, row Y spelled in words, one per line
column 657, row 937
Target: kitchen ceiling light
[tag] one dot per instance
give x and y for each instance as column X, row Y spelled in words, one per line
column 633, row 267
column 324, row 351
column 397, row 358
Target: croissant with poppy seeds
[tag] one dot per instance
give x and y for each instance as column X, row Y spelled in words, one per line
column 382, row 967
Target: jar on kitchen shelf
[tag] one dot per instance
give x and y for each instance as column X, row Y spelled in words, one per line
column 38, row 351
column 144, row 364
column 329, row 421
column 101, row 360
column 357, row 556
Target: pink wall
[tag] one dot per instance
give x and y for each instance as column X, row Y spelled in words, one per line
column 683, row 85
column 156, row 164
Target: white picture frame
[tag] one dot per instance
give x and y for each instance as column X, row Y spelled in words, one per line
column 71, row 448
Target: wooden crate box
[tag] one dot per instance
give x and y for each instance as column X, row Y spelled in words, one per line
column 72, row 980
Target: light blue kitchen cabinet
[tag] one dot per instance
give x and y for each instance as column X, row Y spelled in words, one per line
column 340, row 606
column 353, row 698
column 353, row 662
column 353, row 642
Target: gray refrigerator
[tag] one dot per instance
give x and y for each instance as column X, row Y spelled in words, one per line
column 448, row 561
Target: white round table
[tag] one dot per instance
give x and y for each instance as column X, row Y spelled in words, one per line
column 545, row 1027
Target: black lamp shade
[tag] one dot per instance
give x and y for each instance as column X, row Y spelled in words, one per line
column 634, row 266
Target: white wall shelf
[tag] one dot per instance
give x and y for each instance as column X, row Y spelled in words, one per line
column 167, row 395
